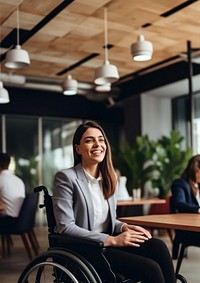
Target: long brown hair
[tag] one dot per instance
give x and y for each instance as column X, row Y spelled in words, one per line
column 106, row 166
column 193, row 165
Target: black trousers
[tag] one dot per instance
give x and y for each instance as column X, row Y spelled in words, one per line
column 150, row 263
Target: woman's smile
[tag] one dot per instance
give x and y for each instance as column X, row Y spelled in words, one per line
column 96, row 152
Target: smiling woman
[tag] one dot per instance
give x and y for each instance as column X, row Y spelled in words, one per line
column 84, row 203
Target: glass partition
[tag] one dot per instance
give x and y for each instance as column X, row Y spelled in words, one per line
column 22, row 145
column 180, row 119
column 57, row 147
column 39, row 147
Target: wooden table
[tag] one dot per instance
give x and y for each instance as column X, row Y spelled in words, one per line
column 141, row 201
column 180, row 221
column 2, row 207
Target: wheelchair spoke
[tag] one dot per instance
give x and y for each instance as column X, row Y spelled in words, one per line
column 49, row 272
column 57, row 266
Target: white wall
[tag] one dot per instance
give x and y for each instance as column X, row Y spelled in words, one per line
column 156, row 119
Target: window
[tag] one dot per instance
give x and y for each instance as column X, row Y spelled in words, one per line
column 39, row 147
column 180, row 118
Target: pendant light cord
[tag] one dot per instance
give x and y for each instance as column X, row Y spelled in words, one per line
column 0, row 49
column 106, row 35
column 17, row 25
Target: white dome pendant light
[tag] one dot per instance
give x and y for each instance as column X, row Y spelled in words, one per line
column 106, row 73
column 17, row 58
column 70, row 86
column 142, row 50
column 4, row 96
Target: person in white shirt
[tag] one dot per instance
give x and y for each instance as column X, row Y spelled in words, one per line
column 84, row 203
column 12, row 191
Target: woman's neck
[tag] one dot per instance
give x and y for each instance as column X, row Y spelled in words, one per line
column 93, row 170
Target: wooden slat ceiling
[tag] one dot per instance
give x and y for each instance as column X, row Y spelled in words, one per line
column 68, row 36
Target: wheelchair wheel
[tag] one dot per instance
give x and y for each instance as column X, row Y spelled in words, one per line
column 59, row 266
column 180, row 278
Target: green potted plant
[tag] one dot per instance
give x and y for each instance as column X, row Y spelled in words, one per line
column 170, row 160
column 158, row 162
column 134, row 162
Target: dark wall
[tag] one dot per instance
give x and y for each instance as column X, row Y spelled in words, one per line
column 52, row 104
column 132, row 118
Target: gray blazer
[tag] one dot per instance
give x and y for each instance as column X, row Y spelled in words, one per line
column 73, row 206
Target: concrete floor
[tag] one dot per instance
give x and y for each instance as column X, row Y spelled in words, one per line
column 12, row 266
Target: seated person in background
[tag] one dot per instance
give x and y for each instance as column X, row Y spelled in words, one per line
column 186, row 189
column 186, row 195
column 12, row 192
column 84, row 202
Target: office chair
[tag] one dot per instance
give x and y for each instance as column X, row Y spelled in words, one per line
column 22, row 225
column 64, row 261
column 180, row 243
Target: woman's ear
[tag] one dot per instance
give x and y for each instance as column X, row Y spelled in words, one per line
column 77, row 148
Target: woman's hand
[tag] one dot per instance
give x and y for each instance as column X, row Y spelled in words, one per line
column 140, row 229
column 131, row 236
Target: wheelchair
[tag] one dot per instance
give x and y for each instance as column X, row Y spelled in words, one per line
column 64, row 261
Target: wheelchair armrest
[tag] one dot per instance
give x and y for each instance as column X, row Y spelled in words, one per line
column 64, row 240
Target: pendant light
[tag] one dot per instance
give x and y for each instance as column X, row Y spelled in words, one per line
column 106, row 73
column 70, row 86
column 142, row 50
column 17, row 58
column 4, row 96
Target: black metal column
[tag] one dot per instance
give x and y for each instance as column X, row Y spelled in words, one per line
column 190, row 108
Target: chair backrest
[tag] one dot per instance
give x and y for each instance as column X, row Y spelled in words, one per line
column 26, row 218
column 171, row 205
column 162, row 208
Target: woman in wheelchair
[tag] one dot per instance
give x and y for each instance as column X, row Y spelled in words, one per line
column 84, row 204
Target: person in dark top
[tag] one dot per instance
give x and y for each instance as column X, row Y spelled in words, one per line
column 186, row 198
column 186, row 189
